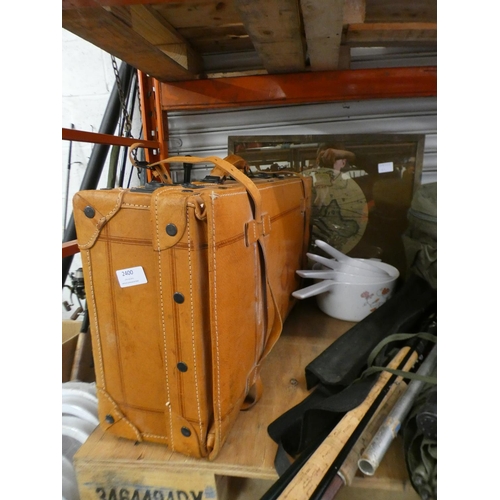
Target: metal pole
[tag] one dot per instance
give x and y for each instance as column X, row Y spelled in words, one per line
column 98, row 155
column 131, row 103
column 375, row 451
column 67, row 182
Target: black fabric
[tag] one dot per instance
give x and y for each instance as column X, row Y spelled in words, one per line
column 342, row 362
column 337, row 370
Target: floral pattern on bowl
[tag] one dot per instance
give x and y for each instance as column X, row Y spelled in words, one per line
column 375, row 300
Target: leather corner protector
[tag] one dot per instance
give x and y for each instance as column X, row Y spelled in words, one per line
column 92, row 210
column 113, row 420
column 186, row 438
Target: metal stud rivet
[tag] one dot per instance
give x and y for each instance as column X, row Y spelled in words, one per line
column 185, row 431
column 89, row 211
column 182, row 367
column 171, row 229
column 178, row 297
column 109, row 419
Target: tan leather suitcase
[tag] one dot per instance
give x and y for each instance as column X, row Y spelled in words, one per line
column 187, row 289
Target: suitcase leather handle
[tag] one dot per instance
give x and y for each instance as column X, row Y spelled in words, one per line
column 223, row 165
column 229, row 169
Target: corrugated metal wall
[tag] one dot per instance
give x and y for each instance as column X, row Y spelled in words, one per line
column 206, row 133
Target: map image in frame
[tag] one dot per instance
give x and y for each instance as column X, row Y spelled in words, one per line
column 339, row 209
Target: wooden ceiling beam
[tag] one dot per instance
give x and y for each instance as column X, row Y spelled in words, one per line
column 163, row 35
column 76, row 4
column 354, row 11
column 323, row 21
column 276, row 33
column 112, row 34
column 390, row 34
column 299, row 88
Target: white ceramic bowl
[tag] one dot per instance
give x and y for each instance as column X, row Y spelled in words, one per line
column 351, row 301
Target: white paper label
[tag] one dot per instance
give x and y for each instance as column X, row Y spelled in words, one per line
column 131, row 277
column 383, row 168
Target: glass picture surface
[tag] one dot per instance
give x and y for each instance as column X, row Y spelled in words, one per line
column 363, row 185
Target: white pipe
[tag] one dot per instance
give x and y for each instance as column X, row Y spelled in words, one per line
column 375, row 451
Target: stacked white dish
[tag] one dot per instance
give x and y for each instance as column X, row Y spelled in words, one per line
column 347, row 288
column 79, row 419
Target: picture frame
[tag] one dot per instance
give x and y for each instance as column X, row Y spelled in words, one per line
column 363, row 185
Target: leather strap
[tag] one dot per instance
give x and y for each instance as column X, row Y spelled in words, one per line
column 162, row 172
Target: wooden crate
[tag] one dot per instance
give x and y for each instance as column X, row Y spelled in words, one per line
column 112, row 468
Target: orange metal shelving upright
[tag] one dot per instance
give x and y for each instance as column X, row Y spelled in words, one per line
column 155, row 133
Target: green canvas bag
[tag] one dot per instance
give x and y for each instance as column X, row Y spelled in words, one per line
column 420, row 238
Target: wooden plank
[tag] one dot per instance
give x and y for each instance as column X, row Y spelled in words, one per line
column 110, row 33
column 75, row 4
column 275, row 31
column 354, row 11
column 210, row 26
column 380, row 11
column 390, row 34
column 300, row 88
column 323, row 22
column 210, row 14
column 130, row 481
column 161, row 34
column 224, row 39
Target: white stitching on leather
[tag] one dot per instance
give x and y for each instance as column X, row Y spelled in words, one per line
column 96, row 325
column 162, row 312
column 126, row 420
column 218, row 432
column 135, row 206
column 146, row 434
column 192, row 324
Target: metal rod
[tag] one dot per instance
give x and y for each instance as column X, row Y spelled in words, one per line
column 131, row 104
column 375, row 451
column 116, row 150
column 98, row 156
column 107, row 139
column 67, row 182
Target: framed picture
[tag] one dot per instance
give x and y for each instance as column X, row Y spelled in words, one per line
column 363, row 185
